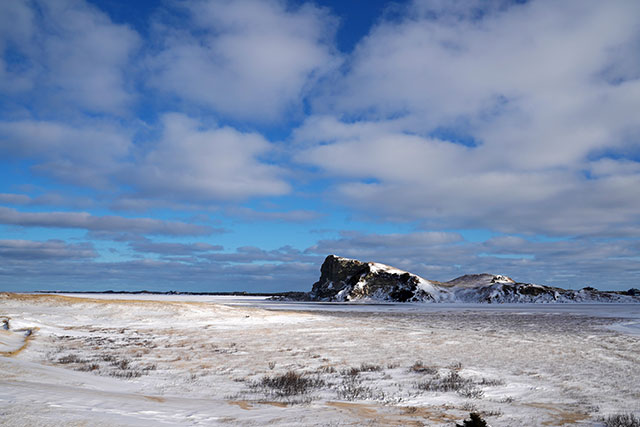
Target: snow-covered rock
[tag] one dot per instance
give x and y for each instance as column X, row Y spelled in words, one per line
column 344, row 279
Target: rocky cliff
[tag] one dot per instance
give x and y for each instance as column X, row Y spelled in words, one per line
column 344, row 279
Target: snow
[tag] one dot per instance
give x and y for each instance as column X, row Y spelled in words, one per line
column 377, row 267
column 548, row 364
column 429, row 288
column 11, row 341
column 502, row 279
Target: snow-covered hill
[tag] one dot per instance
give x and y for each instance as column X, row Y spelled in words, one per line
column 344, row 279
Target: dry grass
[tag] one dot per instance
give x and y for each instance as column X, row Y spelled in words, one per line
column 622, row 420
column 421, row 368
column 290, row 383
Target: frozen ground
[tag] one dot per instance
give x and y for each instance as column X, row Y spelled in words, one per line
column 197, row 360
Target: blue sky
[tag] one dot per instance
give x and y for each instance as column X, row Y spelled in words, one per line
column 232, row 145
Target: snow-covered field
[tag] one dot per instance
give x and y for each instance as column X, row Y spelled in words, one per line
column 198, row 360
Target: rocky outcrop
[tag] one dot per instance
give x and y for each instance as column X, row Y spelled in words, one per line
column 343, row 279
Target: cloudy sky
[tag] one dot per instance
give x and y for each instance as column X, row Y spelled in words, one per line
column 231, row 145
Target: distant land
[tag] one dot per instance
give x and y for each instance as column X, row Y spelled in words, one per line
column 344, row 280
column 143, row 292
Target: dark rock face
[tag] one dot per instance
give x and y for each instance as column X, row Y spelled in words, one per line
column 335, row 275
column 343, row 279
column 632, row 292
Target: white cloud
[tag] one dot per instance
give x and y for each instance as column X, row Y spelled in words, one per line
column 187, row 163
column 84, row 154
column 249, row 59
column 296, row 215
column 144, row 245
column 536, row 91
column 410, row 178
column 110, row 223
column 46, row 199
column 194, row 163
column 28, row 250
column 16, row 27
column 70, row 54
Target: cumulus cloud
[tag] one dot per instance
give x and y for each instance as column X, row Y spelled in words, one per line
column 256, row 255
column 16, row 26
column 50, row 249
column 249, row 59
column 83, row 154
column 86, row 221
column 297, row 215
column 392, row 242
column 65, row 52
column 489, row 117
column 435, row 255
column 46, row 199
column 172, row 248
column 194, row 163
column 188, row 162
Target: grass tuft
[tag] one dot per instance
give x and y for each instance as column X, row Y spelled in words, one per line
column 421, row 368
column 452, row 382
column 70, row 358
column 622, row 420
column 370, row 367
column 351, row 388
column 290, row 383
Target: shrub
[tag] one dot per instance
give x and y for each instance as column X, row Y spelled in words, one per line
column 452, row 382
column 108, row 358
column 290, row 383
column 622, row 420
column 474, row 421
column 471, row 392
column 369, row 367
column 352, row 389
column 126, row 374
column 70, row 358
column 456, row 366
column 420, row 367
column 121, row 364
column 326, row 369
column 490, row 382
column 89, row 367
column 351, row 372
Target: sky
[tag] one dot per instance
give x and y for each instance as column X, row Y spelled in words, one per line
column 232, row 145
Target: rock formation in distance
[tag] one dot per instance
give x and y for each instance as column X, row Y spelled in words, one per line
column 344, row 279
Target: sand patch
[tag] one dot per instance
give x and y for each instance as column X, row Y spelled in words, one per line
column 560, row 415
column 393, row 416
